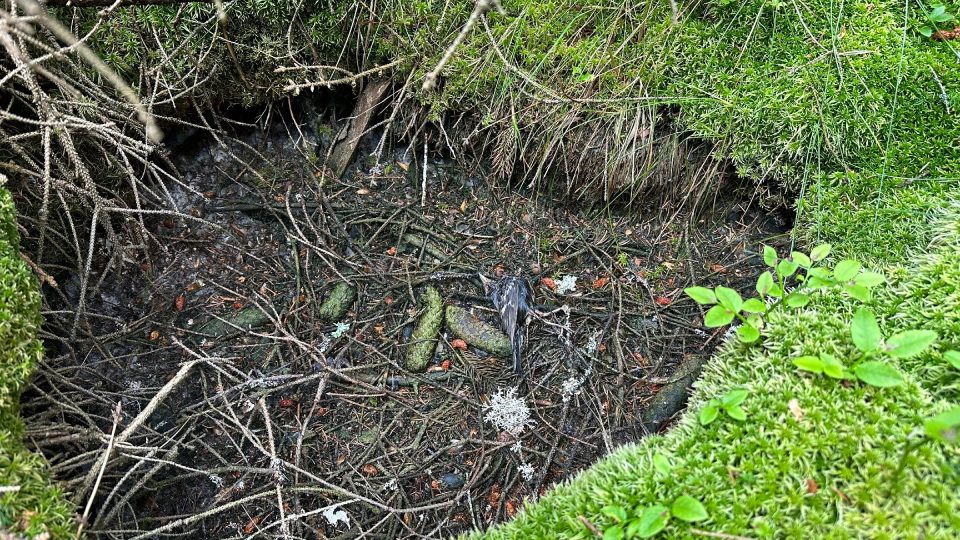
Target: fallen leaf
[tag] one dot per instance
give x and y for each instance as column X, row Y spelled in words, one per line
column 795, row 410
column 388, row 300
column 370, row 469
column 459, row 344
column 600, row 282
column 602, row 347
column 363, row 191
column 154, row 335
column 718, row 268
column 445, row 365
column 812, row 486
column 498, row 271
column 494, row 496
column 341, row 458
column 668, row 265
column 511, row 508
column 841, row 494
column 286, row 403
column 251, row 525
column 549, row 283
column 404, row 166
column 463, row 207
column 180, row 302
column 664, row 301
column 435, row 484
column 237, row 305
column 392, row 251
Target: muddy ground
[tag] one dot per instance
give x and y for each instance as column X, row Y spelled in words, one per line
column 244, row 413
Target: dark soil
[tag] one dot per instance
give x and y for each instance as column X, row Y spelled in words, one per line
column 284, row 421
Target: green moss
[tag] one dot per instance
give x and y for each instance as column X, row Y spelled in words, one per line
column 34, row 506
column 752, row 476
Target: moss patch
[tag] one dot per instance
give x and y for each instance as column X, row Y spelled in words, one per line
column 29, row 503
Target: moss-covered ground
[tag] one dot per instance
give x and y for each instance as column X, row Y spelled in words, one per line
column 28, row 503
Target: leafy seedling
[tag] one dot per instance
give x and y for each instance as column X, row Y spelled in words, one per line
column 934, row 18
column 869, row 341
column 773, row 288
column 728, row 403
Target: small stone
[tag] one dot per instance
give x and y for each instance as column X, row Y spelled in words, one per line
column 451, row 481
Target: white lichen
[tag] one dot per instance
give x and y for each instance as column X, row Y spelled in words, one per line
column 508, row 412
column 335, row 516
column 567, row 284
column 340, row 330
column 526, row 471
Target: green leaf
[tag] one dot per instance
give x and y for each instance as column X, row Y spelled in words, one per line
column 809, row 363
column 775, row 291
column 688, row 509
column 801, row 259
column 858, row 292
column 769, row 256
column 701, row 295
column 820, row 252
column 953, row 357
column 748, row 333
column 613, row 533
column 910, row 343
column 718, row 316
column 869, row 279
column 786, row 268
column 754, row 305
column 729, row 298
column 709, row 412
column 831, row 366
column 661, row 464
column 846, row 270
column 937, row 10
column 764, row 283
column 878, row 374
column 819, row 282
column 735, row 412
column 734, row 397
column 797, row 300
column 618, row 513
column 865, row 331
column 925, row 31
column 944, row 426
column 652, row 520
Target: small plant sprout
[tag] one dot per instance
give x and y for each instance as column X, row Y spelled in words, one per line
column 647, row 522
column 934, row 18
column 801, row 271
column 870, row 345
column 728, row 403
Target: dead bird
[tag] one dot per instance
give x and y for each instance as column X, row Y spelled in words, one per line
column 510, row 295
